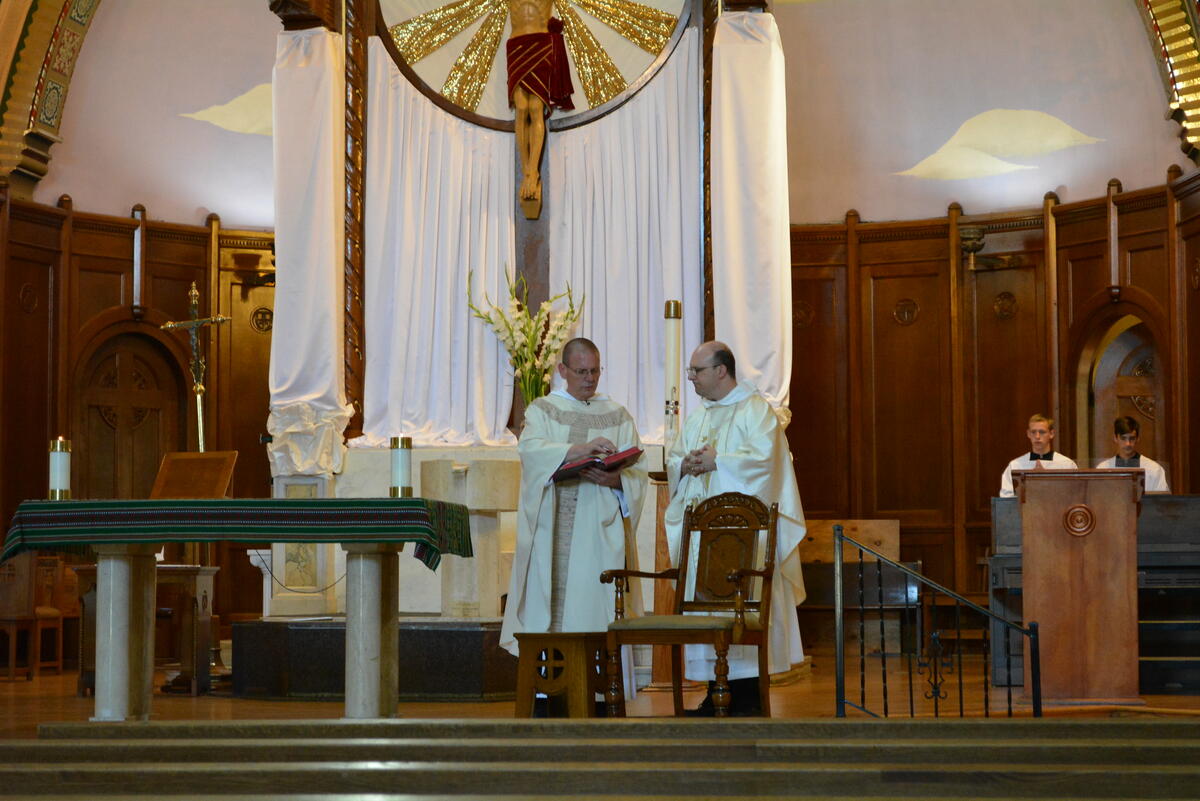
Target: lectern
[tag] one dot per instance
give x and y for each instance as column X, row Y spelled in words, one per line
column 1080, row 580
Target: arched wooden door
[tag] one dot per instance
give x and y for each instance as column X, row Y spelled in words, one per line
column 1126, row 381
column 130, row 411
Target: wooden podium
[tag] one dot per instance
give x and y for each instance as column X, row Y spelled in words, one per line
column 1079, row 572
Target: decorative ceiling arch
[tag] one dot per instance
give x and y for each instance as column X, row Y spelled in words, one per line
column 1172, row 26
column 48, row 37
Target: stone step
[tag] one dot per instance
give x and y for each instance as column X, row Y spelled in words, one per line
column 1030, row 751
column 594, row 779
column 974, row 729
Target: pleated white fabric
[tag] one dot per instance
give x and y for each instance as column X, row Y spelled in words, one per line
column 308, row 409
column 440, row 200
column 624, row 204
column 752, row 298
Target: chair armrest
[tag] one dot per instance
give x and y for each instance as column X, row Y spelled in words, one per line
column 740, row 573
column 609, row 576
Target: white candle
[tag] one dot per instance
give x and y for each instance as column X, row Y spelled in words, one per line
column 673, row 335
column 401, row 467
column 60, row 469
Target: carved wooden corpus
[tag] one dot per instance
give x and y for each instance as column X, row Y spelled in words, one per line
column 300, row 14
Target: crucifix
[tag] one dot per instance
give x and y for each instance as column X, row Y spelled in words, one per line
column 198, row 364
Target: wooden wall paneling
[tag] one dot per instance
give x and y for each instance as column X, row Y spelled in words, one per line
column 1008, row 372
column 933, row 546
column 819, row 432
column 175, row 257
column 243, row 354
column 906, row 376
column 1187, row 234
column 854, row 339
column 1178, row 435
column 959, row 452
column 27, row 338
column 101, row 269
column 243, row 275
column 1142, row 244
column 1084, row 266
column 1005, row 372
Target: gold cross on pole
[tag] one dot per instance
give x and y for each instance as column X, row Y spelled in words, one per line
column 193, row 326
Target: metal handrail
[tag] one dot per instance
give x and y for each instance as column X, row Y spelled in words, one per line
column 839, row 538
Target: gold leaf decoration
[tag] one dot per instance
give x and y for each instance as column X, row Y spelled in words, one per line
column 647, row 27
column 601, row 79
column 465, row 84
column 418, row 37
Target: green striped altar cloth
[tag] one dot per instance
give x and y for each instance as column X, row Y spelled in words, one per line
column 436, row 527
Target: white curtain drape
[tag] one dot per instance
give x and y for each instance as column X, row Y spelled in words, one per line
column 624, row 204
column 752, row 296
column 308, row 409
column 440, row 200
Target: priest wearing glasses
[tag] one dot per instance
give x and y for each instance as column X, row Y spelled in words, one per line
column 1041, row 456
column 736, row 443
column 571, row 530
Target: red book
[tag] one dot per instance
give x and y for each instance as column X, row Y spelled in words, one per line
column 614, row 461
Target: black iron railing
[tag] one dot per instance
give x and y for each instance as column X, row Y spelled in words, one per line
column 936, row 627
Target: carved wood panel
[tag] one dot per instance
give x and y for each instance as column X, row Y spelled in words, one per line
column 130, row 411
column 1083, row 261
column 819, row 432
column 26, row 349
column 1009, row 378
column 1189, row 235
column 906, row 386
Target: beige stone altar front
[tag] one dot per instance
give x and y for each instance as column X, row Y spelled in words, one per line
column 489, row 488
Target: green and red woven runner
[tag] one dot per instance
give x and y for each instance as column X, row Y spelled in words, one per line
column 435, row 527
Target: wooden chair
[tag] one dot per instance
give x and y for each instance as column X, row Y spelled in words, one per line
column 722, row 596
column 27, row 586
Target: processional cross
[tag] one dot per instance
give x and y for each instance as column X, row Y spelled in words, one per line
column 198, row 364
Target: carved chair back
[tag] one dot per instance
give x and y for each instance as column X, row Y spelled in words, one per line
column 723, row 533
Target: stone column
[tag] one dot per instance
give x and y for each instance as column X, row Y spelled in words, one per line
column 125, row 583
column 372, row 630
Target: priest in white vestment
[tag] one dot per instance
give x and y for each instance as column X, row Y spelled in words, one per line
column 1041, row 454
column 570, row 531
column 736, row 443
column 1126, row 432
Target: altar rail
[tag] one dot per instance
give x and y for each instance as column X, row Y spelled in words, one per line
column 936, row 661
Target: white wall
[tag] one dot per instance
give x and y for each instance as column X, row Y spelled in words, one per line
column 143, row 63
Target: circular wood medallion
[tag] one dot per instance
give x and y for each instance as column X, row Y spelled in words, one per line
column 1079, row 520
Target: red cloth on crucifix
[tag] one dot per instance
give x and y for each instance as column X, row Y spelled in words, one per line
column 538, row 62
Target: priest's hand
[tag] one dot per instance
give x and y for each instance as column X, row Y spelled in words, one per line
column 700, row 461
column 605, row 478
column 600, row 446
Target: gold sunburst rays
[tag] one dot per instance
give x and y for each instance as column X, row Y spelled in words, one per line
column 418, row 37
column 601, row 79
column 647, row 27
column 469, row 76
column 644, row 26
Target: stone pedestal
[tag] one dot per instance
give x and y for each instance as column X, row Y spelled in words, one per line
column 471, row 588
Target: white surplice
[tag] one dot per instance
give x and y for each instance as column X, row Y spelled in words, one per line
column 752, row 458
column 1057, row 461
column 1156, row 477
column 576, row 526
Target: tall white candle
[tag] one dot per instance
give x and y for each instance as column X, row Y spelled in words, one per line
column 401, row 448
column 406, row 466
column 60, row 469
column 673, row 336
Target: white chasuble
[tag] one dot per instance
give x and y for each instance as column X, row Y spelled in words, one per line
column 752, row 458
column 570, row 531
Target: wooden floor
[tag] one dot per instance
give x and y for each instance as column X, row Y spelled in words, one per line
column 49, row 698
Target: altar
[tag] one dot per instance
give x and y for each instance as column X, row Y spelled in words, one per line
column 127, row 534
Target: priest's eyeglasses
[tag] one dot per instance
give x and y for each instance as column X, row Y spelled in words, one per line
column 584, row 372
column 692, row 372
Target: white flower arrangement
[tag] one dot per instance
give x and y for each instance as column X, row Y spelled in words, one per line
column 533, row 342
